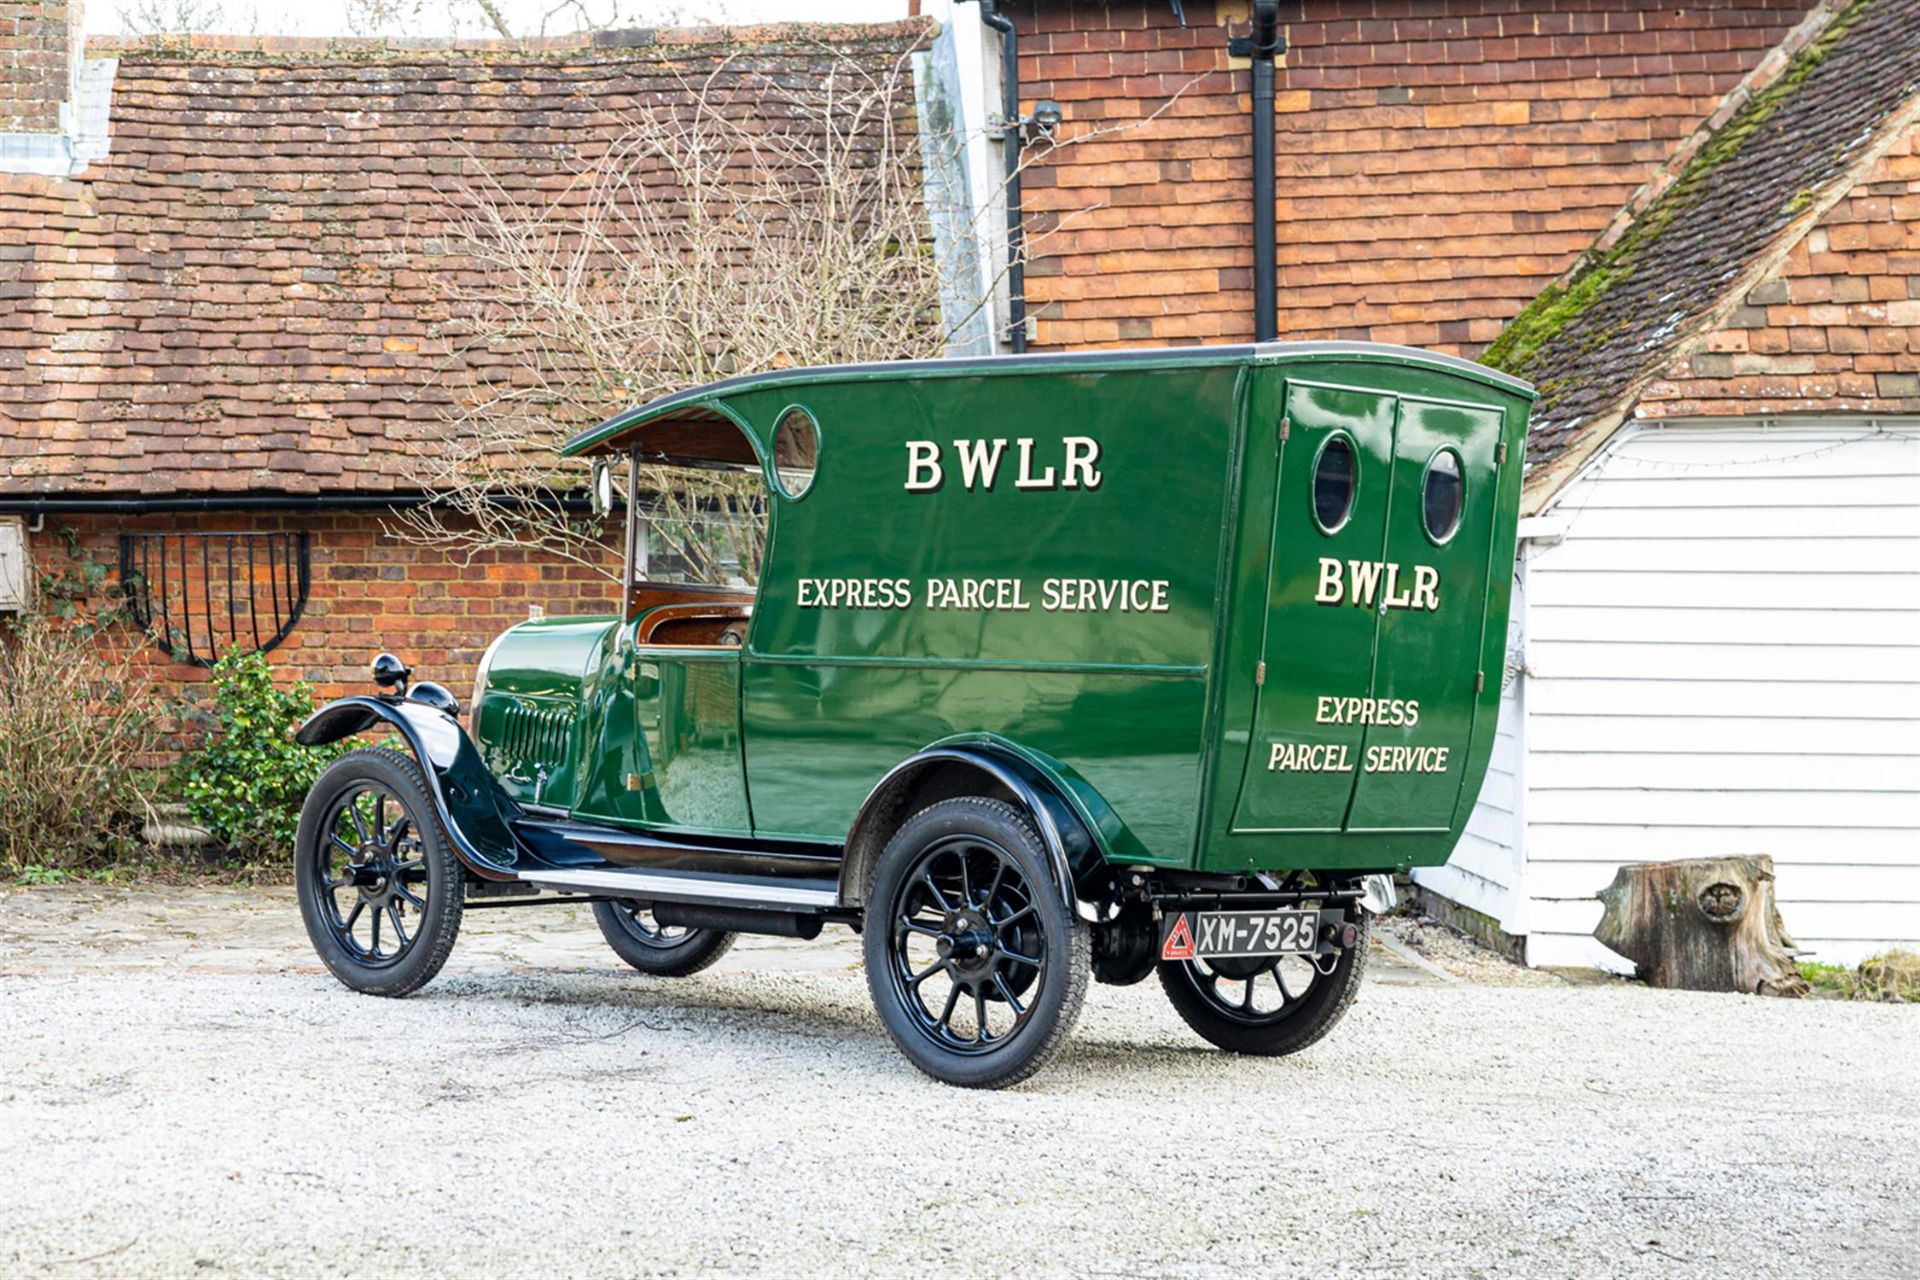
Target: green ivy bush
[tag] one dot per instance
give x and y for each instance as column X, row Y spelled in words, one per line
column 247, row 779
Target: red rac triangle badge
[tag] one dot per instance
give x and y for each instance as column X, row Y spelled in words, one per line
column 1179, row 943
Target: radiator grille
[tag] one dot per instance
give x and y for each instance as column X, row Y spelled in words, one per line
column 533, row 739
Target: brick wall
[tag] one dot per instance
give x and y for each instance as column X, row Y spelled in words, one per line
column 35, row 72
column 370, row 591
column 1439, row 161
column 1836, row 329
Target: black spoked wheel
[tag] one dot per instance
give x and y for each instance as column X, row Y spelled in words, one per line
column 977, row 966
column 967, row 942
column 379, row 887
column 1269, row 1005
column 667, row 951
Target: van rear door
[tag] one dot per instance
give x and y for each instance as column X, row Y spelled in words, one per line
column 1377, row 577
column 1300, row 767
column 1439, row 534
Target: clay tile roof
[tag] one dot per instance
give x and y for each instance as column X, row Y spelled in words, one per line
column 1738, row 195
column 245, row 295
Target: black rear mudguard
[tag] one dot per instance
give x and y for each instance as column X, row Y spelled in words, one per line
column 476, row 813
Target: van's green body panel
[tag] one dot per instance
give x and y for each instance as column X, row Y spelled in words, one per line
column 1151, row 722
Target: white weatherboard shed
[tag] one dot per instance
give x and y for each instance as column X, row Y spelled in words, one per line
column 1715, row 650
column 1716, row 632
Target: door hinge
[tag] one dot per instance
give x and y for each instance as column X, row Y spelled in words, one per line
column 1479, row 681
column 1259, row 675
column 1286, row 425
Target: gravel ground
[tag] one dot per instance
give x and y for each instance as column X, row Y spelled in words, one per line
column 183, row 1092
column 1460, row 956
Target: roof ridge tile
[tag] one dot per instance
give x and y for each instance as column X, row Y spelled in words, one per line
column 615, row 45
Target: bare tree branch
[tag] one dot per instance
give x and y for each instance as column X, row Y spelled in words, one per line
column 494, row 17
column 149, row 18
column 765, row 228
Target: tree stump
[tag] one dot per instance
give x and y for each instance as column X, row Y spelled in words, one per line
column 1702, row 924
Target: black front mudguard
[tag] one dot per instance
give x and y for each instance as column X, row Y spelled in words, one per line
column 474, row 810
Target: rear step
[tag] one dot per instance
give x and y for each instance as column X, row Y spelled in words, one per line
column 757, row 893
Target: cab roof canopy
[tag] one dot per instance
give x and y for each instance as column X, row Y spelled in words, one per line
column 671, row 431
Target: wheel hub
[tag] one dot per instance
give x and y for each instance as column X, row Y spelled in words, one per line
column 372, row 875
column 966, row 900
column 365, row 870
column 966, row 941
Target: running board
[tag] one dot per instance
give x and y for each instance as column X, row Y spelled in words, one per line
column 757, row 892
column 563, row 844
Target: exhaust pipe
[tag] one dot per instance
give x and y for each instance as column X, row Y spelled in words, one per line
column 784, row 924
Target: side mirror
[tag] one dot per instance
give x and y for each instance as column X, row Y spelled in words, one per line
column 603, row 488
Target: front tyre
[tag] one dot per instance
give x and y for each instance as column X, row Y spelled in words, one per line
column 380, row 889
column 1268, row 1006
column 665, row 951
column 976, row 965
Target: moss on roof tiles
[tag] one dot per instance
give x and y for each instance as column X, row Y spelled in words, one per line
column 1629, row 305
column 1548, row 314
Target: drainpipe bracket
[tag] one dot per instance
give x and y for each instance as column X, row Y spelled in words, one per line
column 1242, row 47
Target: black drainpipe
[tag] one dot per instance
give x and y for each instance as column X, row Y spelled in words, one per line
column 1010, row 111
column 1266, row 44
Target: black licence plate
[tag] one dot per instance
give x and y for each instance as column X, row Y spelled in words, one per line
column 1202, row 935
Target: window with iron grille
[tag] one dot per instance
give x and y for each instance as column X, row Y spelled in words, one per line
column 201, row 595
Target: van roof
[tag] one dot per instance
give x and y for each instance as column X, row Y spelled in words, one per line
column 683, row 423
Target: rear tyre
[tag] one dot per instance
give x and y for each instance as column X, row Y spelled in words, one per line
column 976, row 965
column 1269, row 1006
column 380, row 889
column 665, row 951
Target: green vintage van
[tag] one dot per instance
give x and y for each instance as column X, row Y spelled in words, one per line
column 1059, row 667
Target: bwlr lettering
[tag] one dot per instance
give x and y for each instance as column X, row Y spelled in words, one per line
column 1360, row 582
column 980, row 462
